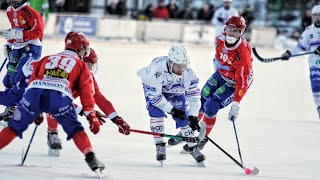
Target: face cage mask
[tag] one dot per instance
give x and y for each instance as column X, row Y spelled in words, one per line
column 87, row 51
column 93, row 67
column 230, row 39
column 316, row 19
column 176, row 76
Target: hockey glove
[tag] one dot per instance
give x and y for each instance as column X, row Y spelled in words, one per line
column 176, row 113
column 193, row 123
column 234, row 111
column 286, row 56
column 7, row 50
column 39, row 120
column 12, row 34
column 94, row 123
column 124, row 128
column 317, row 50
column 100, row 116
column 220, row 19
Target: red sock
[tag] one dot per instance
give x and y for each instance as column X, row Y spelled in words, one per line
column 200, row 115
column 52, row 123
column 82, row 141
column 209, row 123
column 6, row 136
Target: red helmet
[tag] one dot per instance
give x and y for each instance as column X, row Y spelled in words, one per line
column 76, row 41
column 237, row 22
column 91, row 58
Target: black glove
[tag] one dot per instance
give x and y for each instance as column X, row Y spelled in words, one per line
column 317, row 51
column 193, row 123
column 286, row 56
column 220, row 19
column 176, row 113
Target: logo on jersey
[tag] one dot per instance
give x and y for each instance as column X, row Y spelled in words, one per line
column 58, row 73
column 224, row 50
column 22, row 21
column 311, row 36
column 158, row 74
column 17, row 115
column 205, row 91
column 220, row 90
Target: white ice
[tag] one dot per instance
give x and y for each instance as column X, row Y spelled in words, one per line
column 278, row 126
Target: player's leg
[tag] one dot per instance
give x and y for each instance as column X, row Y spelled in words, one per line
column 62, row 109
column 315, row 85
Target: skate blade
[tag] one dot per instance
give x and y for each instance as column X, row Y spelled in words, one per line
column 161, row 163
column 201, row 164
column 184, row 152
column 99, row 173
column 54, row 152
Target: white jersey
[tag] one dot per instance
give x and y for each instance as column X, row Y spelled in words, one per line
column 223, row 14
column 309, row 41
column 159, row 80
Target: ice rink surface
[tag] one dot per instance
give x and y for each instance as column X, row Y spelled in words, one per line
column 278, row 127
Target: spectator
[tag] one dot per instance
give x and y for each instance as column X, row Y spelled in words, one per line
column 42, row 7
column 4, row 4
column 248, row 15
column 112, row 8
column 82, row 6
column 60, row 5
column 52, row 5
column 307, row 19
column 206, row 13
column 186, row 14
column 121, row 8
column 173, row 9
column 161, row 11
column 147, row 13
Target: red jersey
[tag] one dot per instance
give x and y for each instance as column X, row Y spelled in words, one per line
column 28, row 19
column 103, row 103
column 67, row 73
column 235, row 65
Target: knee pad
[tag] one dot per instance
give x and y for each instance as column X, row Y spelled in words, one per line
column 157, row 126
column 211, row 108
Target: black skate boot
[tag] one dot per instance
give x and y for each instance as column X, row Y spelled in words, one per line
column 196, row 154
column 7, row 113
column 173, row 142
column 202, row 143
column 94, row 164
column 161, row 152
column 54, row 143
column 318, row 109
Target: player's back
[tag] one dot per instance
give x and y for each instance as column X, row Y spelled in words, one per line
column 64, row 72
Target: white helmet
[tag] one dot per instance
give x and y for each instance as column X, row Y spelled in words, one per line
column 315, row 9
column 316, row 15
column 178, row 54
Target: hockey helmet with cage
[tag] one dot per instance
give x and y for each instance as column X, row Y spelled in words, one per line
column 77, row 41
column 235, row 25
column 316, row 15
column 178, row 55
column 16, row 3
column 92, row 61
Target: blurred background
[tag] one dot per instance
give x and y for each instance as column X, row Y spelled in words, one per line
column 272, row 23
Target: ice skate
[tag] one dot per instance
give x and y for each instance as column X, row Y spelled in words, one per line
column 173, row 141
column 94, row 164
column 202, row 143
column 161, row 152
column 7, row 113
column 318, row 109
column 54, row 144
column 196, row 154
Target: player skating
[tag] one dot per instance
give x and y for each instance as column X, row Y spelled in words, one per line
column 170, row 86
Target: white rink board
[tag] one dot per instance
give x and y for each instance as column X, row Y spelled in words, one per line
column 278, row 127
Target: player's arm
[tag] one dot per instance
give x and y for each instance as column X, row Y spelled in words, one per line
column 85, row 87
column 302, row 45
column 35, row 21
column 193, row 95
